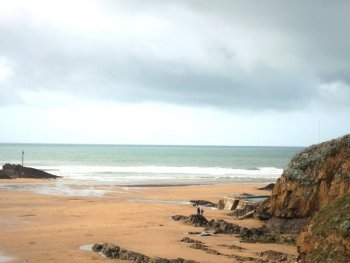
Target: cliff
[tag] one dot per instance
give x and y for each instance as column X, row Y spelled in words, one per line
column 312, row 179
column 12, row 171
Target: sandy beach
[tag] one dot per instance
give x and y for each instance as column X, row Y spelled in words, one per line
column 46, row 228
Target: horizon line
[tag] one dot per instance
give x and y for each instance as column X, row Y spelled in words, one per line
column 126, row 144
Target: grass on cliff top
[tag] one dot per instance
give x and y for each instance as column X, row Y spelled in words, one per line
column 330, row 229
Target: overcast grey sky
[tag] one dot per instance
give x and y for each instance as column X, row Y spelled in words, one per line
column 174, row 72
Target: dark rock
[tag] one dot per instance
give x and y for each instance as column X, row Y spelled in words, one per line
column 97, row 247
column 261, row 216
column 196, row 244
column 13, row 171
column 115, row 252
column 190, row 240
column 178, row 217
column 244, row 258
column 287, row 226
column 253, row 235
column 221, row 226
column 203, row 203
column 235, row 247
column 195, row 220
column 221, row 204
column 268, row 187
column 239, row 212
column 194, row 233
column 4, row 176
column 275, row 256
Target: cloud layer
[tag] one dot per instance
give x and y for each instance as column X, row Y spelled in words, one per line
column 244, row 55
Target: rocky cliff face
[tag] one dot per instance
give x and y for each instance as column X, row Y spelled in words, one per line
column 312, row 179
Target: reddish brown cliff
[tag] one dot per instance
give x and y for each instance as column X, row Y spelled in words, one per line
column 312, row 179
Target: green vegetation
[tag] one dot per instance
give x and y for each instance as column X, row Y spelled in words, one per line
column 331, row 231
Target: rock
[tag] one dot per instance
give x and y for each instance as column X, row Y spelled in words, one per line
column 115, row 252
column 221, row 204
column 253, row 235
column 13, row 171
column 223, row 227
column 97, row 247
column 287, row 226
column 312, row 179
column 203, row 203
column 327, row 238
column 190, row 240
column 234, row 247
column 239, row 212
column 261, row 216
column 178, row 218
column 195, row 220
column 268, row 187
column 274, row 256
column 4, row 176
column 219, row 226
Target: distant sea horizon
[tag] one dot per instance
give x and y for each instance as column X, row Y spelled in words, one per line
column 130, row 164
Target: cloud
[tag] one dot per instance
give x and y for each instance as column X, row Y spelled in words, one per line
column 242, row 55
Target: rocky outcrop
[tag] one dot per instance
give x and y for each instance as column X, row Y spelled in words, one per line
column 312, row 179
column 268, row 187
column 12, row 171
column 272, row 256
column 327, row 239
column 194, row 220
column 115, row 252
column 218, row 226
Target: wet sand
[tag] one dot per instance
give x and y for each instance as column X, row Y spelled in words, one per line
column 51, row 228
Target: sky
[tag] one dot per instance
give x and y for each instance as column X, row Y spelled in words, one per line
column 184, row 72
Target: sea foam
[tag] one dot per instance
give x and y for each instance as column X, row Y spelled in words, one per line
column 136, row 173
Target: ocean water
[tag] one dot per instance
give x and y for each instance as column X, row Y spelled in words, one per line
column 139, row 165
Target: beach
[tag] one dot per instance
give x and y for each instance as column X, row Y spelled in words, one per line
column 38, row 227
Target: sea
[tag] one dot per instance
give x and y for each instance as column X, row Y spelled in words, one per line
column 129, row 165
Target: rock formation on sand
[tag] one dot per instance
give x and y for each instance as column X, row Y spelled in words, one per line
column 115, row 252
column 312, row 179
column 12, row 171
